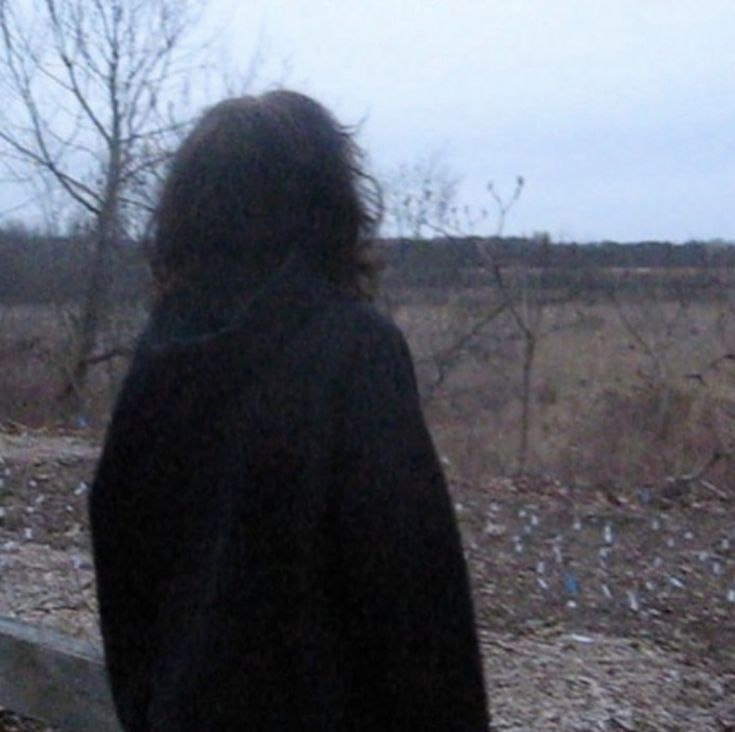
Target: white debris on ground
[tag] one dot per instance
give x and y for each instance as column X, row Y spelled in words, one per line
column 541, row 683
column 547, row 569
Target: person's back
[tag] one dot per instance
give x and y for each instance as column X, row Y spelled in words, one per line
column 274, row 542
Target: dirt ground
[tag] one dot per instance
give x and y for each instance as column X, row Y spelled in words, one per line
column 597, row 611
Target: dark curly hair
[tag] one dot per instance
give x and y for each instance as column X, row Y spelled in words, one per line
column 257, row 177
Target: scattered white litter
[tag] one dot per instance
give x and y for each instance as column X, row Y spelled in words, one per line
column 580, row 638
column 558, row 555
column 633, row 602
column 493, row 529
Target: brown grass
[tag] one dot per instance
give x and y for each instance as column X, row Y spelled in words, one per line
column 629, row 399
column 611, row 402
column 36, row 347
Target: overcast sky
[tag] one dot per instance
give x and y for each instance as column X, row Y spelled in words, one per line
column 620, row 114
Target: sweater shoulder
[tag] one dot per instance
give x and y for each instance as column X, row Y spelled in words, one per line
column 361, row 325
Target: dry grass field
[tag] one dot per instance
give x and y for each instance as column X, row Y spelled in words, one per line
column 626, row 392
column 36, row 344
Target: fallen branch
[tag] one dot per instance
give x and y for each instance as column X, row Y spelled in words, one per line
column 714, row 489
column 118, row 352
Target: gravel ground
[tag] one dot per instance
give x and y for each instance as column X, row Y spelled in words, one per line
column 594, row 613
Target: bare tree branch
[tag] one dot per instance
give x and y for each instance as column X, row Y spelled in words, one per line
column 92, row 82
column 447, row 359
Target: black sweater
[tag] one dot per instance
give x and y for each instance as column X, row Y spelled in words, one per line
column 274, row 543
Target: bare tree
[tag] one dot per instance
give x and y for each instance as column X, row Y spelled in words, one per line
column 420, row 197
column 436, row 212
column 90, row 89
column 526, row 306
column 521, row 297
column 516, row 298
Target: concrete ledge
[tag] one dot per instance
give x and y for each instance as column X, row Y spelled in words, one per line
column 54, row 678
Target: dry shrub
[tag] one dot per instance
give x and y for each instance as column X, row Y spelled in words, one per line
column 628, row 440
column 36, row 354
column 30, row 339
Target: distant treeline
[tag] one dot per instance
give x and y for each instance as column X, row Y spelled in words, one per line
column 47, row 269
column 442, row 262
column 35, row 268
